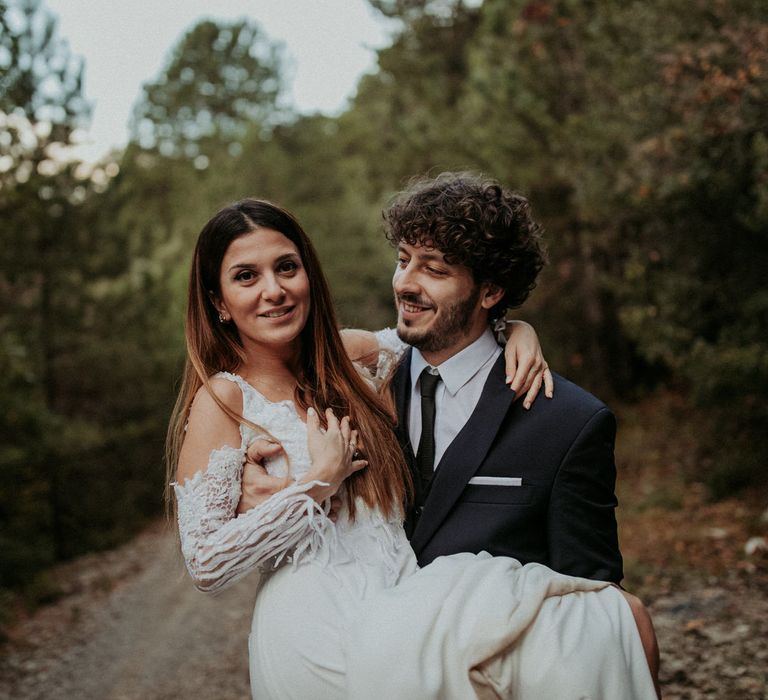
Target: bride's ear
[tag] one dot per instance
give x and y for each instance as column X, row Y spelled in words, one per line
column 221, row 308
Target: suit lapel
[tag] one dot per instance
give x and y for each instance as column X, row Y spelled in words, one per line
column 401, row 386
column 465, row 454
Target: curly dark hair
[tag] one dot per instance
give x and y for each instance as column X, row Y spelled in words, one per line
column 474, row 222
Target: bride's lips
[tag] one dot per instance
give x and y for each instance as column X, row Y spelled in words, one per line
column 281, row 313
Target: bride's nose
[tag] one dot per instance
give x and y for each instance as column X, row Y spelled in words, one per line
column 273, row 290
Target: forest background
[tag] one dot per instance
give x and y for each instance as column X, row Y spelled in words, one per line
column 638, row 129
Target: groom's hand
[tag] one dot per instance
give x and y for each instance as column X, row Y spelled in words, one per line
column 257, row 485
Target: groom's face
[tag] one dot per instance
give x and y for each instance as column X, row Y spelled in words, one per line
column 438, row 304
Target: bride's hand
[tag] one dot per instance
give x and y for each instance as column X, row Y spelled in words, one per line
column 331, row 452
column 526, row 367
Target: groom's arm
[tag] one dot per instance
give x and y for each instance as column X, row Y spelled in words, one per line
column 256, row 485
column 583, row 537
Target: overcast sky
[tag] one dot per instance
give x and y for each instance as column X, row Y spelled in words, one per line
column 330, row 44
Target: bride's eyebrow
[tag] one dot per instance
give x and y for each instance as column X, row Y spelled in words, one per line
column 287, row 256
column 254, row 266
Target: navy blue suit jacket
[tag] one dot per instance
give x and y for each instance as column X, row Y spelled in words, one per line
column 562, row 449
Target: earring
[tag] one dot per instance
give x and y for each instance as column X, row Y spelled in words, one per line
column 222, row 317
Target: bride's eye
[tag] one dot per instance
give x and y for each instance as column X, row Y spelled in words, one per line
column 288, row 266
column 245, row 276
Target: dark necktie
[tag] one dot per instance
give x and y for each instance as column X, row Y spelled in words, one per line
column 425, row 457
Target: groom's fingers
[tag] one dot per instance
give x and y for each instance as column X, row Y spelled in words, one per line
column 262, row 449
column 333, row 513
column 257, row 486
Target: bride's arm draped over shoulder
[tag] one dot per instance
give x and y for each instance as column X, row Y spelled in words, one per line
column 527, row 370
column 218, row 547
column 365, row 347
column 373, row 353
column 526, row 367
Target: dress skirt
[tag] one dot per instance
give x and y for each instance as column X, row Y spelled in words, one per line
column 466, row 626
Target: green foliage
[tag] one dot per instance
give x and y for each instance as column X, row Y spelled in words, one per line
column 83, row 393
column 40, row 80
column 41, row 105
column 221, row 79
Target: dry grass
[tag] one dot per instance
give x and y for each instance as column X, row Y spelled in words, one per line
column 670, row 530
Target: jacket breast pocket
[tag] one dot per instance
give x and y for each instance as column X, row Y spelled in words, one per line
column 482, row 493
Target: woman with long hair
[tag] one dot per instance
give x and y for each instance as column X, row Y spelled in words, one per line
column 339, row 603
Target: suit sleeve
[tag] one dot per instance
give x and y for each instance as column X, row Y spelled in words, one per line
column 583, row 538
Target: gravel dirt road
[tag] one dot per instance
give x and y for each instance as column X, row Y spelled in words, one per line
column 130, row 626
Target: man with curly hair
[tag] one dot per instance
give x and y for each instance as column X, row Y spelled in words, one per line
column 531, row 482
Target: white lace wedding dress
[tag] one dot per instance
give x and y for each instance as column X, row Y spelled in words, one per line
column 343, row 611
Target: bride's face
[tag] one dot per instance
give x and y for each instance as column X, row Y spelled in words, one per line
column 264, row 289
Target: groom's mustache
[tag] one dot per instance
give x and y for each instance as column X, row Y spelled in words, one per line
column 415, row 299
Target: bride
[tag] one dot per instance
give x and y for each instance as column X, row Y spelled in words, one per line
column 342, row 609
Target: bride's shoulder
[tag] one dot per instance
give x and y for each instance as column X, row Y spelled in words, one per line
column 209, row 427
column 219, row 387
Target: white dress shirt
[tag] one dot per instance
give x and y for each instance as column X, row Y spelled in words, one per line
column 464, row 377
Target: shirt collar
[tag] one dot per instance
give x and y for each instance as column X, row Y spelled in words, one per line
column 456, row 371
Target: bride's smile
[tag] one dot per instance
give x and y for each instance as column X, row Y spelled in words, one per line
column 264, row 289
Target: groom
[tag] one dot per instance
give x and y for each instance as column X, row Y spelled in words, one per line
column 536, row 485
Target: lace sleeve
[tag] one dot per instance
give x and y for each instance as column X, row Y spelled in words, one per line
column 388, row 339
column 218, row 547
column 391, row 349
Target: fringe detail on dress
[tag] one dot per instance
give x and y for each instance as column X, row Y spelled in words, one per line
column 220, row 548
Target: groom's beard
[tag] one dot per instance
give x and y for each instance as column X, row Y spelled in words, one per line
column 449, row 324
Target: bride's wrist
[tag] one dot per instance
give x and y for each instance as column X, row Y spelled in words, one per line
column 324, row 479
column 321, row 491
column 319, row 472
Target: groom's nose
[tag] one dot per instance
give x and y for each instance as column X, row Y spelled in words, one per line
column 404, row 281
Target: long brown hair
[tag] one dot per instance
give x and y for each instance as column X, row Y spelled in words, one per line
column 326, row 377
